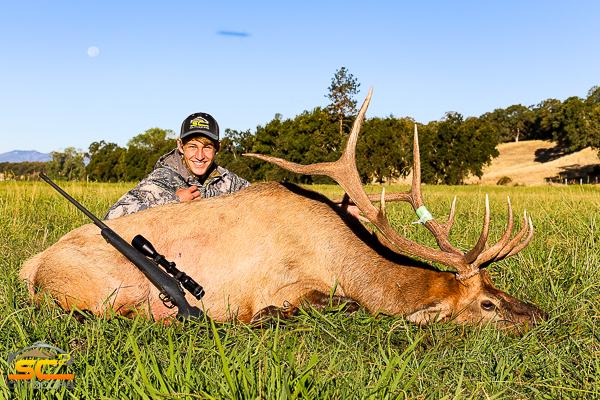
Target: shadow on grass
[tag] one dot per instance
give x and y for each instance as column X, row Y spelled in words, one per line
column 575, row 174
column 550, row 154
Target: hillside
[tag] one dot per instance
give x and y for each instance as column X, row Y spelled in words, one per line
column 532, row 162
column 24, row 155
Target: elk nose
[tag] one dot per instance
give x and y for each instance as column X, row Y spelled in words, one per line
column 524, row 318
column 530, row 314
column 523, row 313
column 539, row 315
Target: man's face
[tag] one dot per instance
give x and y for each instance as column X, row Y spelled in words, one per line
column 199, row 154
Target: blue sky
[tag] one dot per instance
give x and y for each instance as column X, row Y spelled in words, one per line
column 159, row 61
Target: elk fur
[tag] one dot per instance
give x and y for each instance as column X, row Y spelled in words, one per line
column 271, row 246
column 266, row 245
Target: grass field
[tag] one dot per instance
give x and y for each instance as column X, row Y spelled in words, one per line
column 328, row 355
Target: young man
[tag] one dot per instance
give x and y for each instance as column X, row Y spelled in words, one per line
column 185, row 173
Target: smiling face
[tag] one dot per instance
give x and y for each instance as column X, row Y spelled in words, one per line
column 198, row 154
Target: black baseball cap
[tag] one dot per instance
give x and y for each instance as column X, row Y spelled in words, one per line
column 202, row 124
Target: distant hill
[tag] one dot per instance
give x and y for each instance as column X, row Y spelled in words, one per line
column 534, row 162
column 24, row 155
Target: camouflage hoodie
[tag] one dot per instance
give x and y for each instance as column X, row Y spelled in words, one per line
column 169, row 175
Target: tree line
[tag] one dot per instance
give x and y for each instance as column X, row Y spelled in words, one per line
column 21, row 170
column 452, row 148
column 573, row 124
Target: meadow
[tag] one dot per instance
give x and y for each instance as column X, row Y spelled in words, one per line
column 328, row 354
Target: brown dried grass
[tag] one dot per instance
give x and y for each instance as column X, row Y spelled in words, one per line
column 518, row 162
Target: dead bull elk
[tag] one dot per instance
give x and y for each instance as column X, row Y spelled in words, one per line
column 271, row 248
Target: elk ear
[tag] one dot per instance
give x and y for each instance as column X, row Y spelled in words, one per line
column 437, row 312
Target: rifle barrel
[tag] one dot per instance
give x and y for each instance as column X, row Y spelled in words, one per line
column 81, row 208
column 165, row 283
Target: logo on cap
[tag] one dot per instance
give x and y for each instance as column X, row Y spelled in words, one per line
column 199, row 122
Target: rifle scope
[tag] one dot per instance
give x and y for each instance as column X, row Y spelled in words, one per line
column 145, row 247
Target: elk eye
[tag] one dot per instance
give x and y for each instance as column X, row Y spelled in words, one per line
column 488, row 305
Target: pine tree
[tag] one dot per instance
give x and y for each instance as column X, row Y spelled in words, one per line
column 344, row 86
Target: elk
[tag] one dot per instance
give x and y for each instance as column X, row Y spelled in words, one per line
column 272, row 248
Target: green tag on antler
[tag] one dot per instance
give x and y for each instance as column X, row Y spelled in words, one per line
column 424, row 215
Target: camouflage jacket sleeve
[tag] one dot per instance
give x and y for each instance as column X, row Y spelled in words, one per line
column 237, row 183
column 157, row 188
column 226, row 182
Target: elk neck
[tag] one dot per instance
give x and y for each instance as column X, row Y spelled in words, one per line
column 397, row 286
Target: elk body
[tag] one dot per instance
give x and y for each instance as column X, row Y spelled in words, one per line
column 271, row 248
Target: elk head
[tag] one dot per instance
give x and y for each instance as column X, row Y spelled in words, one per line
column 469, row 296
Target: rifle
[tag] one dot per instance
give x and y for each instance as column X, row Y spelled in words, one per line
column 143, row 255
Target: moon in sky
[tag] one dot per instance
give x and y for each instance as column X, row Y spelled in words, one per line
column 93, row 51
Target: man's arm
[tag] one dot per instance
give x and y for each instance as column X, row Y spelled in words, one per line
column 159, row 187
column 236, row 183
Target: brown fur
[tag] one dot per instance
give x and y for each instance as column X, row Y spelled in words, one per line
column 265, row 246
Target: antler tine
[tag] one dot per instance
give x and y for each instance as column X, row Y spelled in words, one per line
column 448, row 225
column 332, row 169
column 341, row 170
column 416, row 180
column 518, row 243
column 505, row 247
column 490, row 254
column 415, row 198
column 389, row 197
column 480, row 245
column 313, row 169
column 525, row 242
column 345, row 172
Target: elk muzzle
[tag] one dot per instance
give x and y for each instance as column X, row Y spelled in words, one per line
column 515, row 313
column 489, row 304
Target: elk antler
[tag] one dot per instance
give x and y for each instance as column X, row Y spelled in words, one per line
column 344, row 172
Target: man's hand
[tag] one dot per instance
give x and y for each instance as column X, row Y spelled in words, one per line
column 354, row 211
column 188, row 194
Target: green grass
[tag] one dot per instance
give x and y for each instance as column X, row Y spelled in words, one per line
column 328, row 355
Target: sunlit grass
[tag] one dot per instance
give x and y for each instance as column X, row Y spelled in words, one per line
column 329, row 355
